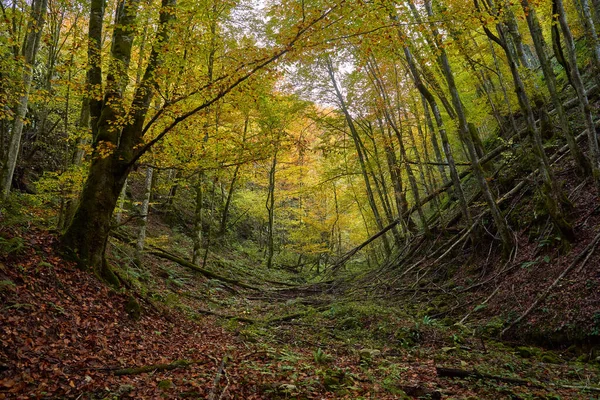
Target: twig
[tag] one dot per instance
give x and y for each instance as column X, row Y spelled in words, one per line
column 484, row 302
column 464, row 236
column 213, row 391
column 581, row 388
column 476, row 285
column 586, row 260
column 226, row 385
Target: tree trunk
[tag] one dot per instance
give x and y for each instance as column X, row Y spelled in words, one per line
column 270, row 205
column 173, row 189
column 594, row 43
column 225, row 216
column 211, row 218
column 577, row 82
column 354, row 135
column 506, row 237
column 396, row 177
column 388, row 111
column 29, row 52
column 141, row 239
column 434, row 141
column 420, row 166
column 540, row 47
column 413, row 183
column 443, row 135
column 552, row 194
column 379, row 180
column 511, row 117
column 87, row 235
column 556, row 43
column 198, row 221
column 427, row 168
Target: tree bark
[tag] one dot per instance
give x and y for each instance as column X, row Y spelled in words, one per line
column 577, row 82
column 198, row 221
column 466, row 137
column 113, row 147
column 29, row 53
column 270, row 205
column 354, row 135
column 141, row 239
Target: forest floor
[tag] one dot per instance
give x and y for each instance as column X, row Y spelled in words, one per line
column 64, row 334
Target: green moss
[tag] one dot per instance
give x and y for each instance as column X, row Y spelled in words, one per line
column 108, row 275
column 527, row 352
column 335, row 379
column 133, row 308
column 551, row 358
column 493, row 327
column 7, row 285
column 349, row 323
column 165, row 384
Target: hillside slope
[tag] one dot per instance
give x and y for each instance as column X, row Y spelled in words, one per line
column 64, row 334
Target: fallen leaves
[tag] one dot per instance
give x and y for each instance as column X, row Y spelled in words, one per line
column 63, row 334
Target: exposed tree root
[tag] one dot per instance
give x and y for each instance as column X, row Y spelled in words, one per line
column 488, row 157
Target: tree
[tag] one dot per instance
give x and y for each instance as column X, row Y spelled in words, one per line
column 121, row 131
column 28, row 52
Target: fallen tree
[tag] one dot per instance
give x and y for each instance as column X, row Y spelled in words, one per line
column 209, row 274
column 159, row 252
column 487, row 158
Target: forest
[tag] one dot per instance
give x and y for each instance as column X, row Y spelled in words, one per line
column 299, row 199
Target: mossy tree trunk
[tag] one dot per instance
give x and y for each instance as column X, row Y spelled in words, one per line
column 115, row 146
